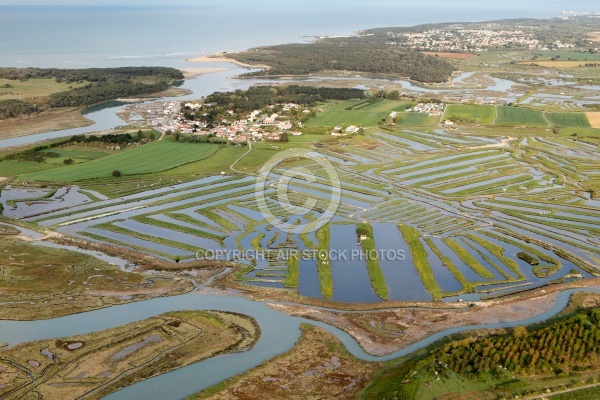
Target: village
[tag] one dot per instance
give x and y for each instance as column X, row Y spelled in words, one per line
column 273, row 123
column 456, row 38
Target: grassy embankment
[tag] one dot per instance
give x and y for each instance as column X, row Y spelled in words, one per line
column 372, row 260
column 419, row 259
column 468, row 259
column 323, row 262
column 541, row 271
column 467, row 287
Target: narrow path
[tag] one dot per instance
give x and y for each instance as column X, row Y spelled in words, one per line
column 232, row 166
column 441, row 121
column 495, row 115
column 546, row 118
column 551, row 395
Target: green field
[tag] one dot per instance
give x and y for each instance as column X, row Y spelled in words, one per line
column 150, row 158
column 470, row 113
column 519, row 116
column 578, row 120
column 38, row 87
column 357, row 112
column 13, row 168
column 416, row 119
column 386, row 106
column 78, row 156
column 219, row 161
column 81, row 154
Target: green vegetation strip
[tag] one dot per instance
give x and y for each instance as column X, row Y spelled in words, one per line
column 133, row 246
column 218, row 218
column 323, row 261
column 447, row 262
column 488, row 260
column 498, row 252
column 150, row 238
column 292, row 278
column 541, row 271
column 419, row 259
column 468, row 259
column 193, row 221
column 370, row 250
column 179, row 228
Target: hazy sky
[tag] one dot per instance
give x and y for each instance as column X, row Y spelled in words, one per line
column 591, row 5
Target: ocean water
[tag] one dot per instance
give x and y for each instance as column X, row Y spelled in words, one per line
column 104, row 36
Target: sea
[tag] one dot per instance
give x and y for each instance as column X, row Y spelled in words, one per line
column 167, row 33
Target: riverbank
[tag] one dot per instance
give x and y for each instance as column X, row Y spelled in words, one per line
column 47, row 121
column 96, row 364
column 382, row 332
column 318, row 363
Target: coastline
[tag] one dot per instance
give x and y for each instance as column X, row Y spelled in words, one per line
column 219, row 57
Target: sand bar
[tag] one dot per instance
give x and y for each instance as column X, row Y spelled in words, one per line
column 219, row 57
column 191, row 72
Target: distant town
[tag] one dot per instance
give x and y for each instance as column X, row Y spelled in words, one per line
column 459, row 38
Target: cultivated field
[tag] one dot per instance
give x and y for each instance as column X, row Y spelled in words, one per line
column 416, row 119
column 150, row 158
column 578, row 120
column 360, row 112
column 594, row 119
column 470, row 113
column 519, row 116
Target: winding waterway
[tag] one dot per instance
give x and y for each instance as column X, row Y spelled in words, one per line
column 279, row 333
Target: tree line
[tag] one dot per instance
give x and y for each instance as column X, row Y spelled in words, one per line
column 13, row 108
column 243, row 102
column 90, row 74
column 570, row 345
column 103, row 84
column 347, row 55
column 258, row 97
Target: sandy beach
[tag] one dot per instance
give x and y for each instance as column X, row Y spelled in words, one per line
column 220, row 58
column 191, row 72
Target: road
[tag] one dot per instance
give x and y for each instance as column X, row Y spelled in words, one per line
column 169, row 120
column 549, row 396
